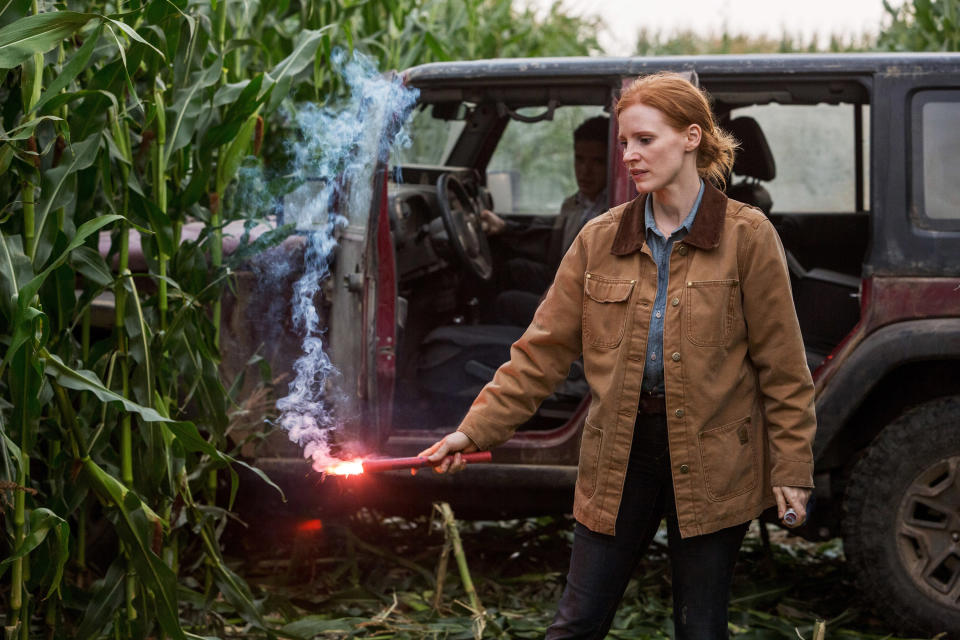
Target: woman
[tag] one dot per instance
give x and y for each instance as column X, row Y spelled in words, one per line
column 701, row 401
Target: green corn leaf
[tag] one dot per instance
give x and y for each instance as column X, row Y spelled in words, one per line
column 160, row 224
column 88, row 262
column 233, row 588
column 234, row 154
column 42, row 521
column 187, row 108
column 31, row 80
column 144, row 331
column 85, row 380
column 15, row 268
column 58, row 189
column 25, row 130
column 25, row 313
column 107, row 598
column 260, row 474
column 304, row 49
column 236, row 592
column 6, row 157
column 134, row 527
column 185, row 432
column 77, row 63
column 133, row 35
column 38, row 34
column 57, row 101
column 126, row 69
column 62, row 531
column 237, row 114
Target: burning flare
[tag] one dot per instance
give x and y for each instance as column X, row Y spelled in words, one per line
column 375, row 465
column 345, row 468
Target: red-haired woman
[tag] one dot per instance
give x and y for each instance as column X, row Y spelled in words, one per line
column 701, row 401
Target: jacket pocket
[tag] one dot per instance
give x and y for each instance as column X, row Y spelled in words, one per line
column 728, row 461
column 605, row 304
column 590, row 445
column 711, row 307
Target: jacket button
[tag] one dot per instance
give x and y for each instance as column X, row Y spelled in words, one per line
column 682, row 250
column 676, row 357
column 678, row 413
column 684, row 469
column 675, row 301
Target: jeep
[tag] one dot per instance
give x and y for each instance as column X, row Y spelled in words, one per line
column 854, row 158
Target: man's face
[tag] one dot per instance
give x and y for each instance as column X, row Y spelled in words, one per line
column 590, row 166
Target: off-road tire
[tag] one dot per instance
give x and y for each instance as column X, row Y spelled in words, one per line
column 886, row 527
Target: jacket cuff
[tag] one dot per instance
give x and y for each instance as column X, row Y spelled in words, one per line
column 482, row 433
column 792, row 473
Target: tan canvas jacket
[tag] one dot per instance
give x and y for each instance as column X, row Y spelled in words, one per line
column 739, row 396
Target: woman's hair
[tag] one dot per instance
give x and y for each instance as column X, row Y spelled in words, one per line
column 682, row 104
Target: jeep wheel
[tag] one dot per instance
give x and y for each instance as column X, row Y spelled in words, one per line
column 901, row 527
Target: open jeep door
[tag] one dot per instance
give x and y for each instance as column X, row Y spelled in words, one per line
column 362, row 324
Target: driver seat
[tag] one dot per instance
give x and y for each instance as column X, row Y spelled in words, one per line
column 456, row 361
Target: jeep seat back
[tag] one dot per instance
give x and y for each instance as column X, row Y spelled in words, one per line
column 754, row 162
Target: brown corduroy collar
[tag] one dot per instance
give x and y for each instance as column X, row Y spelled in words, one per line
column 704, row 234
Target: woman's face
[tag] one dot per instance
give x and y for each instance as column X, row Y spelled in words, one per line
column 654, row 153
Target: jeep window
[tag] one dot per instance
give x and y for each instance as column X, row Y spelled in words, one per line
column 936, row 146
column 432, row 132
column 814, row 147
column 531, row 171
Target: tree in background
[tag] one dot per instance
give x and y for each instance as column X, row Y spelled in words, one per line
column 688, row 42
column 922, row 25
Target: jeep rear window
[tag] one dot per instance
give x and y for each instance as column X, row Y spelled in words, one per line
column 936, row 143
column 814, row 148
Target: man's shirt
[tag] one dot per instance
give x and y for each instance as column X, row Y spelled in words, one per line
column 575, row 212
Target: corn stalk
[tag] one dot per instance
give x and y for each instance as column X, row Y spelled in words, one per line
column 134, row 128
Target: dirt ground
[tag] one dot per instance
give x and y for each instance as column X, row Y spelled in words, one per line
column 374, row 577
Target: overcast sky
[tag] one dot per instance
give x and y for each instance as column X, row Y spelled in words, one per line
column 624, row 18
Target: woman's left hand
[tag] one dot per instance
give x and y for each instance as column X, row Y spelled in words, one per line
column 795, row 497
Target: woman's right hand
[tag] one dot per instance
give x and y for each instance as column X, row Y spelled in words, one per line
column 452, row 443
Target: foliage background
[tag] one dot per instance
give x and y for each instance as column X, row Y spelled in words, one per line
column 115, row 430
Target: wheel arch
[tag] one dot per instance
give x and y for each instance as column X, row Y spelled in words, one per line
column 894, row 369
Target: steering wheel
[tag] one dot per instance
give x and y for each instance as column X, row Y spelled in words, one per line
column 461, row 219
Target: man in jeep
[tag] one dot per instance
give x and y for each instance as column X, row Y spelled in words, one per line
column 524, row 280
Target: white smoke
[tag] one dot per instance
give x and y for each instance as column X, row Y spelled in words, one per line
column 336, row 161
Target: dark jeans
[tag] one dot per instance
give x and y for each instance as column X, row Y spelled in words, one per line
column 601, row 565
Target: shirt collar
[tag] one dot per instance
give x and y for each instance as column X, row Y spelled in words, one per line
column 686, row 225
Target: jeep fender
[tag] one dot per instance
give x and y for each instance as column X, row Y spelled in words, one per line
column 874, row 358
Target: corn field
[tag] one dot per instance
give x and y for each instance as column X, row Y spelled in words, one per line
column 118, row 473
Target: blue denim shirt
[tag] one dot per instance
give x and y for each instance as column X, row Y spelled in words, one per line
column 661, row 248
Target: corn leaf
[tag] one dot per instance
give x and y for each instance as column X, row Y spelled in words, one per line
column 134, row 526
column 59, row 183
column 234, row 154
column 303, row 51
column 25, row 130
column 42, row 521
column 38, row 34
column 71, row 70
column 107, row 598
